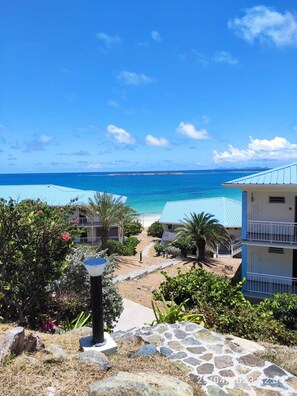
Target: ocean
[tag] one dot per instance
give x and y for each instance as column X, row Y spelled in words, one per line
column 147, row 192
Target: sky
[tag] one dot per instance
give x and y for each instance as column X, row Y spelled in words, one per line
column 113, row 85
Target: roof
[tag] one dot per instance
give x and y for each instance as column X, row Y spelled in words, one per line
column 282, row 176
column 49, row 193
column 225, row 210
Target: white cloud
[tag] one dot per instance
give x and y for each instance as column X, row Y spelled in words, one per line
column 108, row 40
column 225, row 57
column 266, row 25
column 120, row 135
column 259, row 149
column 45, row 138
column 156, row 36
column 191, row 132
column 130, row 78
column 113, row 103
column 150, row 140
column 94, row 166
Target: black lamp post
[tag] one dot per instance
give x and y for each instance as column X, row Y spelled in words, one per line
column 95, row 268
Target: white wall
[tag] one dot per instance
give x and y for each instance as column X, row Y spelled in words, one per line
column 262, row 262
column 259, row 208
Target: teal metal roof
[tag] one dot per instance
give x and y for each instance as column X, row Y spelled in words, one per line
column 50, row 193
column 284, row 175
column 225, row 210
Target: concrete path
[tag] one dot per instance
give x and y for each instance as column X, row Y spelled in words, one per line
column 147, row 248
column 134, row 315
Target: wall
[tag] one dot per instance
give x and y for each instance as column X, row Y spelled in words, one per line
column 260, row 261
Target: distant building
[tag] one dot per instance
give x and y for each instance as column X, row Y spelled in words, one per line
column 61, row 196
column 225, row 210
column 269, row 231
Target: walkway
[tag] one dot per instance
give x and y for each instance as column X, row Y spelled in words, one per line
column 216, row 362
column 134, row 315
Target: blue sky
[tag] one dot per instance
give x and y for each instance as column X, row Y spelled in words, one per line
column 147, row 85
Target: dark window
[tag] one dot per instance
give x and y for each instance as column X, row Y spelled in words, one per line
column 276, row 250
column 276, row 199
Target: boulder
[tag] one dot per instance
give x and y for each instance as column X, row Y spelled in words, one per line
column 32, row 343
column 56, row 353
column 95, row 358
column 13, row 342
column 135, row 384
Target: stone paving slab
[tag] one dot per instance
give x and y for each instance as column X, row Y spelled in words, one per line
column 215, row 362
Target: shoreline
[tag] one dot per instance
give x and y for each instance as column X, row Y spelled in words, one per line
column 147, row 219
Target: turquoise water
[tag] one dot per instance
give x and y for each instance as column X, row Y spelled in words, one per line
column 147, row 192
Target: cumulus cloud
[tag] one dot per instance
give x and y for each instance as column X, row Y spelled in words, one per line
column 258, row 149
column 191, row 132
column 113, row 103
column 156, row 36
column 150, row 140
column 225, row 57
column 38, row 144
column 131, row 78
column 264, row 24
column 120, row 135
column 108, row 40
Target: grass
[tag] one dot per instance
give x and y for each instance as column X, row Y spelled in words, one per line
column 281, row 355
column 71, row 377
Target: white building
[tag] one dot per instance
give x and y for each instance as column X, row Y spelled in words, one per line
column 55, row 195
column 225, row 210
column 269, row 231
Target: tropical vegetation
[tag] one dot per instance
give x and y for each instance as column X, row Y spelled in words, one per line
column 155, row 230
column 203, row 230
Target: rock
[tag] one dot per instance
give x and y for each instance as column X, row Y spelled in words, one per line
column 205, row 368
column 176, row 345
column 165, row 351
column 135, row 384
column 180, row 334
column 146, row 350
column 13, row 342
column 84, row 331
column 190, row 341
column 51, row 391
column 178, row 355
column 251, row 361
column 265, row 392
column 226, row 373
column 207, row 356
column 192, row 361
column 196, row 350
column 32, row 343
column 206, row 335
column 292, row 381
column 56, row 353
column 273, row 371
column 222, row 362
column 25, row 360
column 155, row 339
column 95, row 358
column 214, row 390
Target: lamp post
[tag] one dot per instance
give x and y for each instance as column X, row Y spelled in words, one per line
column 95, row 268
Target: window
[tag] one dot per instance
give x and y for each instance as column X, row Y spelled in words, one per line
column 276, row 199
column 276, row 250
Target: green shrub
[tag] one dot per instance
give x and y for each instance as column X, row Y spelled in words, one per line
column 132, row 227
column 184, row 245
column 71, row 293
column 173, row 251
column 159, row 248
column 128, row 248
column 115, row 247
column 283, row 307
column 130, row 245
column 155, row 230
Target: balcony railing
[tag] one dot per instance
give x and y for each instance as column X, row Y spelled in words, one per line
column 271, row 231
column 270, row 284
column 168, row 236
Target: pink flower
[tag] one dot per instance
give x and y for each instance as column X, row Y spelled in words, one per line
column 41, row 211
column 65, row 236
column 74, row 221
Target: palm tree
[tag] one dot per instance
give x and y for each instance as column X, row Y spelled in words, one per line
column 111, row 212
column 204, row 230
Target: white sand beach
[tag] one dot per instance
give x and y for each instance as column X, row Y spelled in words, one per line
column 147, row 220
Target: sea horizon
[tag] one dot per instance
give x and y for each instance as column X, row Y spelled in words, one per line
column 147, row 191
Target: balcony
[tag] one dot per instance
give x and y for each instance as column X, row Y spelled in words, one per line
column 168, row 236
column 272, row 232
column 270, row 284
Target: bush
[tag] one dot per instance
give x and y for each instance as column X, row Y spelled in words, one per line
column 224, row 307
column 155, row 230
column 159, row 248
column 35, row 239
column 184, row 245
column 71, row 293
column 283, row 307
column 173, row 251
column 132, row 227
column 128, row 248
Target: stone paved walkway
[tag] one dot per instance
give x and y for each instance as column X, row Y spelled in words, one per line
column 215, row 362
column 144, row 271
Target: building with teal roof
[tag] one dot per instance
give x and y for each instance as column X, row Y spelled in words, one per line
column 226, row 211
column 55, row 195
column 269, row 230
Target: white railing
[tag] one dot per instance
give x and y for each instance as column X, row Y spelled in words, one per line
column 270, row 284
column 168, row 236
column 271, row 231
column 236, row 247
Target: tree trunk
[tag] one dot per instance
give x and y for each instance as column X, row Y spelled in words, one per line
column 201, row 250
column 104, row 238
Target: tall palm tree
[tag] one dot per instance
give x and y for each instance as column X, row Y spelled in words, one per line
column 204, row 230
column 111, row 212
